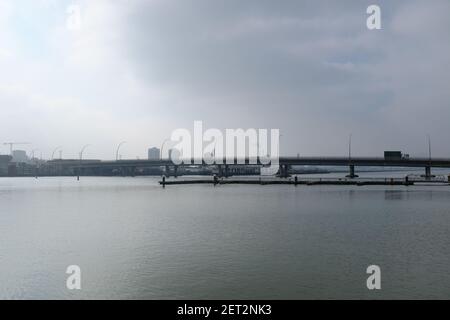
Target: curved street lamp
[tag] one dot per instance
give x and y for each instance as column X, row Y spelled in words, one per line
column 350, row 146
column 162, row 146
column 117, row 150
column 81, row 158
column 56, row 149
column 32, row 153
column 82, row 150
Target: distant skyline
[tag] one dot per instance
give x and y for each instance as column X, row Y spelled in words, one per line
column 138, row 69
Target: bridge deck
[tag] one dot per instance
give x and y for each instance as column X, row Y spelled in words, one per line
column 314, row 161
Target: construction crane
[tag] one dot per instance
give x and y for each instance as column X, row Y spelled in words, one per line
column 11, row 144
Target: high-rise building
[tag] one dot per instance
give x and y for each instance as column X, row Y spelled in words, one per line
column 4, row 163
column 19, row 156
column 153, row 153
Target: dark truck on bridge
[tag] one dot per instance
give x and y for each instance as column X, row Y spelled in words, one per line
column 395, row 155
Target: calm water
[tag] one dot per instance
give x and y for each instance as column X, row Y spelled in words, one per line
column 133, row 239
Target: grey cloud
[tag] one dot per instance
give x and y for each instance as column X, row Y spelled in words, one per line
column 310, row 68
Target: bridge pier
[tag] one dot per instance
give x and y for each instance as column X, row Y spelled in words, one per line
column 428, row 174
column 223, row 170
column 283, row 171
column 167, row 171
column 352, row 174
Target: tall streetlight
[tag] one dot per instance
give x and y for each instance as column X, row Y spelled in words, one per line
column 81, row 158
column 350, row 146
column 82, row 150
column 428, row 171
column 36, row 169
column 32, row 153
column 162, row 148
column 56, row 149
column 118, row 148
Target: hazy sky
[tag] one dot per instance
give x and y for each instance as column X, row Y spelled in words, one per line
column 136, row 70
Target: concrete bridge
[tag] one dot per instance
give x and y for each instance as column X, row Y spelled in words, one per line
column 284, row 163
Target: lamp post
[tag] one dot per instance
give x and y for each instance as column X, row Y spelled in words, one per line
column 428, row 170
column 82, row 150
column 162, row 148
column 81, row 158
column 36, row 169
column 32, row 153
column 118, row 148
column 350, row 147
column 56, row 149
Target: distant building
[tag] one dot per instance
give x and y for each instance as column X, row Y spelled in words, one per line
column 154, row 153
column 19, row 156
column 4, row 163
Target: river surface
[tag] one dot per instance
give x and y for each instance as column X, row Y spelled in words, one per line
column 133, row 239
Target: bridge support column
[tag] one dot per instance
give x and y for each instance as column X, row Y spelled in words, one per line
column 352, row 174
column 283, row 171
column 167, row 171
column 428, row 172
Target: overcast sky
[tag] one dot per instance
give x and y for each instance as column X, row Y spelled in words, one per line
column 137, row 70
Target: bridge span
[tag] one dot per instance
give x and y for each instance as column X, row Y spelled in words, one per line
column 284, row 163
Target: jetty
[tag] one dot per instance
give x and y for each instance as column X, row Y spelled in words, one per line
column 306, row 181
